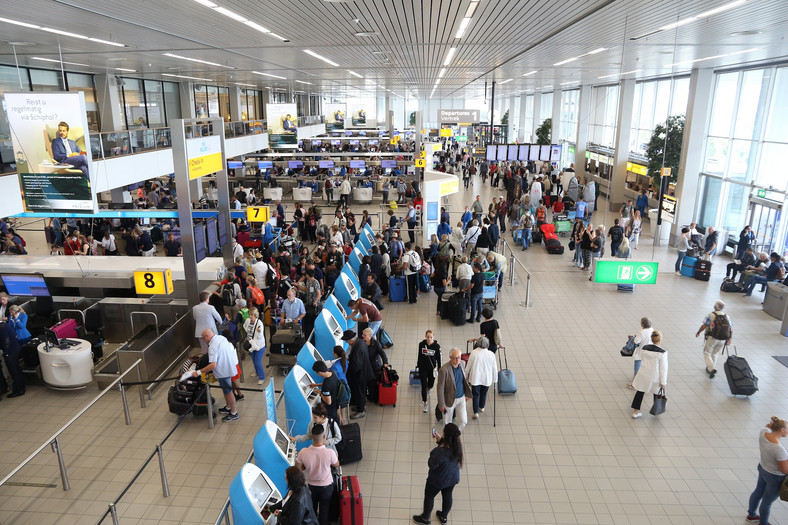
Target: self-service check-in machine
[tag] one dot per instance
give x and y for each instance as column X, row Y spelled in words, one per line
column 308, row 356
column 274, row 453
column 328, row 334
column 346, row 287
column 250, row 492
column 299, row 400
column 340, row 312
column 354, row 259
column 366, row 238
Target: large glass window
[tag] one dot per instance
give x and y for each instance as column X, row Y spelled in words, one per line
column 154, row 103
column 43, row 80
column 529, row 117
column 84, row 83
column 172, row 100
column 604, row 112
column 150, row 103
column 569, row 112
column 134, row 102
column 251, row 104
column 546, row 107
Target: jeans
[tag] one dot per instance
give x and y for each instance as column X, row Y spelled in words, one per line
column 412, row 281
column 429, row 499
column 766, row 492
column 321, row 500
column 375, row 326
column 479, row 397
column 257, row 361
column 753, row 281
column 638, row 362
column 679, row 260
column 412, row 231
column 614, row 248
column 476, row 306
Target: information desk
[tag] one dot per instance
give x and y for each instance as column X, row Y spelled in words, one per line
column 67, row 368
column 362, row 195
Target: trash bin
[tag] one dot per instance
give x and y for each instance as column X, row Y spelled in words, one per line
column 664, row 234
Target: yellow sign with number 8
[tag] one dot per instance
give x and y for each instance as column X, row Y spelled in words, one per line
column 258, row 214
column 153, row 282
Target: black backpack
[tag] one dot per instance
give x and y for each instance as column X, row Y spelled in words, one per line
column 271, row 279
column 616, row 234
column 720, row 328
column 228, row 295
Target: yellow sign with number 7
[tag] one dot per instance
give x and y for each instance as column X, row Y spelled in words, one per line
column 257, row 214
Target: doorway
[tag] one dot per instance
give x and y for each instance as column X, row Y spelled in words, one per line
column 764, row 219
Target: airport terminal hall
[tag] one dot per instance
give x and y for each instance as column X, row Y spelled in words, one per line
column 348, row 262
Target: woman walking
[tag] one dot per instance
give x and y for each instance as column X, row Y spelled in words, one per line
column 255, row 336
column 428, row 363
column 635, row 227
column 445, row 463
column 653, row 373
column 585, row 244
column 482, row 371
column 771, row 470
column 642, row 338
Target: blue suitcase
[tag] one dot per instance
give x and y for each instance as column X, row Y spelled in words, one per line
column 398, row 288
column 414, row 378
column 506, row 381
column 688, row 266
column 424, row 283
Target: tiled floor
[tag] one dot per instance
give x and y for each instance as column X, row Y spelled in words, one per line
column 564, row 449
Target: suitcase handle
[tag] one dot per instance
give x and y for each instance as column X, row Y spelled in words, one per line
column 506, row 361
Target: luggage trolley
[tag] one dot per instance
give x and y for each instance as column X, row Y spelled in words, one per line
column 490, row 289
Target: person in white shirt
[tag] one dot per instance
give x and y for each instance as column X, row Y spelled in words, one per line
column 108, row 244
column 238, row 250
column 482, row 373
column 474, row 230
column 205, row 318
column 255, row 331
column 643, row 337
column 344, row 192
column 411, row 265
column 223, row 361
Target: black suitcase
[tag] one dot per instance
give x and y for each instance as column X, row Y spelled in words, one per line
column 349, row 449
column 456, row 307
column 182, row 394
column 29, row 353
column 536, row 236
column 741, row 380
column 445, row 310
column 702, row 270
column 555, row 247
column 287, row 342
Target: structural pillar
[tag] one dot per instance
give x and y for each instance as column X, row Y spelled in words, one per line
column 555, row 132
column 691, row 163
column 537, row 115
column 583, row 119
column 618, row 181
column 110, row 103
column 235, row 104
column 521, row 120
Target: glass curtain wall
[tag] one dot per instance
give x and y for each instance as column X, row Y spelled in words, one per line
column 529, row 117
column 211, row 101
column 569, row 112
column 545, row 108
column 149, row 103
column 251, row 104
column 604, row 111
column 654, row 102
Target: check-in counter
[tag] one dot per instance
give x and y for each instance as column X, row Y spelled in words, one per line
column 308, row 356
column 251, row 491
column 302, row 194
column 362, row 195
column 274, row 453
column 66, row 368
column 328, row 334
column 116, row 312
column 299, row 400
column 354, row 259
column 340, row 312
column 366, row 238
column 346, row 286
column 274, row 194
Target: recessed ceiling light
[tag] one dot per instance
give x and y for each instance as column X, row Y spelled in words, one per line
column 471, row 9
column 505, row 81
column 230, row 14
column 531, row 73
column 463, row 27
column 685, row 62
column 304, row 82
column 126, row 70
column 566, row 61
column 268, row 75
column 258, row 27
column 242, row 84
column 283, row 39
column 172, row 55
column 58, row 61
column 186, row 77
column 366, row 33
column 21, row 43
column 620, row 74
column 735, row 33
column 570, row 82
column 320, row 57
column 355, row 74
column 449, row 56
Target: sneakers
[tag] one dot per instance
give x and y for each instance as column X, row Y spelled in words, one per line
column 231, row 417
column 425, row 408
column 253, row 374
column 224, row 410
column 441, row 517
column 359, row 415
column 637, row 415
column 418, row 518
column 475, row 415
column 712, row 373
column 678, row 273
column 260, row 381
column 482, row 409
column 629, row 386
column 753, row 518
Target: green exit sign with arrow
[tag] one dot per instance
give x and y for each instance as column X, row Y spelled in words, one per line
column 622, row 271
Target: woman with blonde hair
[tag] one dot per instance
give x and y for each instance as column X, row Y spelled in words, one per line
column 771, row 470
column 255, row 342
column 653, row 374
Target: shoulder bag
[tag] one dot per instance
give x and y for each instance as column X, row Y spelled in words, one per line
column 629, row 348
column 249, row 337
column 660, row 400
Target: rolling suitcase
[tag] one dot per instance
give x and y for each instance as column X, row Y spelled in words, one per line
column 397, row 288
column 387, row 390
column 65, row 328
column 625, row 287
column 424, row 282
column 414, row 379
column 349, row 449
column 741, row 380
column 351, row 502
column 456, row 308
column 506, row 381
column 467, row 354
column 688, row 266
column 702, row 270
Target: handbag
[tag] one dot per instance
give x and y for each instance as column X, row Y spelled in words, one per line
column 248, row 343
column 784, row 489
column 629, row 348
column 660, row 400
column 438, row 413
column 571, row 245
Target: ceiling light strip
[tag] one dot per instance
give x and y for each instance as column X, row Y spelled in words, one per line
column 186, row 77
column 268, row 75
column 449, row 56
column 320, row 57
column 61, row 32
column 172, row 55
column 58, row 61
column 354, row 74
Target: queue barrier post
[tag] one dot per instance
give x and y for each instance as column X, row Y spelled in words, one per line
column 125, row 403
column 61, row 463
column 165, row 487
column 142, row 389
column 114, row 514
column 209, row 402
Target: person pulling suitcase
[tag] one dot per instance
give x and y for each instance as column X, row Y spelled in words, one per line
column 718, row 331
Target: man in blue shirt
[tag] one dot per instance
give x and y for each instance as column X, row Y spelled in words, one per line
column 293, row 307
column 773, row 273
column 410, row 218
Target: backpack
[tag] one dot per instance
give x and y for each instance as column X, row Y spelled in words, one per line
column 312, row 221
column 271, row 279
column 720, row 328
column 616, row 234
column 343, row 393
column 228, row 294
column 414, row 262
column 256, row 295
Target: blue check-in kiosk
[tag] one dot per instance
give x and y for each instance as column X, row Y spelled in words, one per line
column 250, row 492
column 299, row 400
column 366, row 238
column 340, row 312
column 328, row 334
column 346, row 287
column 308, row 355
column 274, row 453
column 354, row 259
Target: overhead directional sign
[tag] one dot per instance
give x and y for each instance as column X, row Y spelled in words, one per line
column 257, row 213
column 157, row 282
column 623, row 271
column 421, row 163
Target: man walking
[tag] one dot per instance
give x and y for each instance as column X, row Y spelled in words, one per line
column 718, row 331
column 223, row 361
column 453, row 389
column 317, row 461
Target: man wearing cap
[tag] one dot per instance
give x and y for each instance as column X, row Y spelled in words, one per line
column 359, row 372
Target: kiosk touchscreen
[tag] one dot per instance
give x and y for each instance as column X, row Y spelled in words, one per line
column 273, row 453
column 366, row 238
column 346, row 286
column 299, row 400
column 308, row 355
column 340, row 312
column 354, row 259
column 328, row 334
column 250, row 492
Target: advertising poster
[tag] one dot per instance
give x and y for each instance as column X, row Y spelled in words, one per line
column 362, row 112
column 49, row 133
column 282, row 125
column 335, row 116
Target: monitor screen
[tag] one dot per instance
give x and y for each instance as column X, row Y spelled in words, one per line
column 30, row 285
column 281, row 441
column 300, row 143
column 336, row 142
column 555, row 153
column 325, row 164
column 210, row 229
column 234, row 164
column 221, row 221
column 317, row 142
column 50, row 336
column 305, row 381
column 533, row 152
column 388, row 164
column 339, row 307
column 265, row 164
column 199, row 242
column 333, row 325
column 501, row 154
column 362, row 133
column 491, row 152
column 336, row 134
column 381, row 133
column 373, row 142
column 295, row 164
column 512, row 152
column 358, row 164
column 354, row 143
column 259, row 491
column 544, row 152
column 522, row 152
column 348, row 133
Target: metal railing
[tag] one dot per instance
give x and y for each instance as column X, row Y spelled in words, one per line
column 54, row 441
column 526, row 303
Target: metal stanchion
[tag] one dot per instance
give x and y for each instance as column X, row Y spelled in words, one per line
column 114, row 513
column 209, row 402
column 165, row 487
column 528, row 291
column 63, row 473
column 125, row 403
column 142, row 390
column 512, row 260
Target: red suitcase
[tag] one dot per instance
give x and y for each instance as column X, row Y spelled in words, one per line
column 351, row 503
column 65, row 328
column 387, row 390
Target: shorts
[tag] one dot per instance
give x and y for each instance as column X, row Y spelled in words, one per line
column 226, row 383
